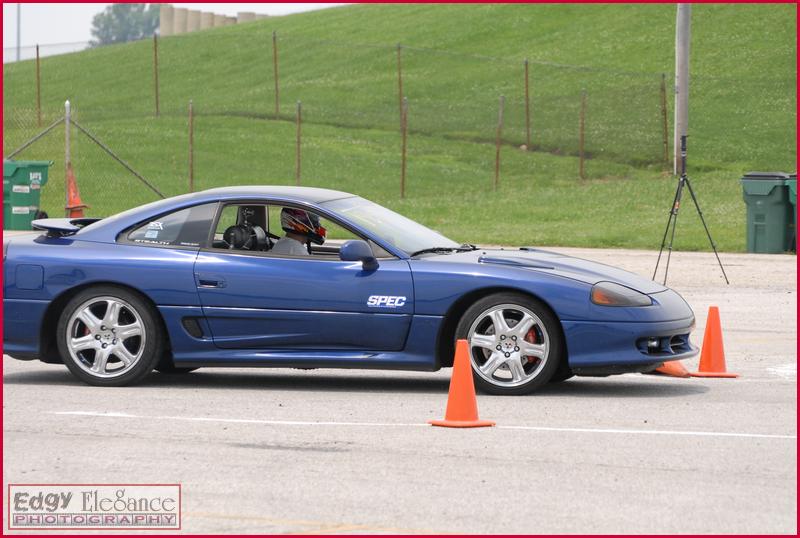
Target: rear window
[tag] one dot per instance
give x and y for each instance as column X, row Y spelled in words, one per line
column 185, row 228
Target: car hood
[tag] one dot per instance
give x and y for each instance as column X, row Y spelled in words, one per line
column 530, row 259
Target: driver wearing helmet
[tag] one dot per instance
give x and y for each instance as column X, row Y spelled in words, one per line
column 302, row 228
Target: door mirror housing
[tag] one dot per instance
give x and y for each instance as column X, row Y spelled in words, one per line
column 358, row 251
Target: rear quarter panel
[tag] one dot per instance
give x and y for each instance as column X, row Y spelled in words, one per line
column 165, row 275
column 39, row 271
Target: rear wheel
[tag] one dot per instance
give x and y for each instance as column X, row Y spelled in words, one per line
column 515, row 343
column 109, row 336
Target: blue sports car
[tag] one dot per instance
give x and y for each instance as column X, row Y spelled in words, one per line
column 314, row 278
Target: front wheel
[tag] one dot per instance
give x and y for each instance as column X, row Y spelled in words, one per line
column 109, row 336
column 515, row 343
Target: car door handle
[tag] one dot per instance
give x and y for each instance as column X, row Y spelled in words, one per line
column 209, row 281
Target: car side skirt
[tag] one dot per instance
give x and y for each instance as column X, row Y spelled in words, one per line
column 192, row 352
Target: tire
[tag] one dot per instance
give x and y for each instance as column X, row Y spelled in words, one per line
column 507, row 370
column 561, row 375
column 110, row 322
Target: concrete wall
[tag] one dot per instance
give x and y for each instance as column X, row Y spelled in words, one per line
column 245, row 16
column 206, row 20
column 193, row 20
column 219, row 20
column 165, row 20
column 179, row 26
column 230, row 20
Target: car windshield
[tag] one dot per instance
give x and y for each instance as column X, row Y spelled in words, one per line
column 399, row 231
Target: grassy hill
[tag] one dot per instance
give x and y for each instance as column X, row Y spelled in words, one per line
column 457, row 61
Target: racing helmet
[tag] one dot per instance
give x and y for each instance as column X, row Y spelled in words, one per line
column 304, row 223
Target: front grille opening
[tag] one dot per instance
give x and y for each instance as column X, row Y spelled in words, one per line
column 664, row 346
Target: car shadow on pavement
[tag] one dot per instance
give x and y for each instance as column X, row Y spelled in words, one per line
column 628, row 386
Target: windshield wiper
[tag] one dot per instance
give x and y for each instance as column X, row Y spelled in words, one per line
column 463, row 248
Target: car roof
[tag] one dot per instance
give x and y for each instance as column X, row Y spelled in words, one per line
column 106, row 229
column 301, row 194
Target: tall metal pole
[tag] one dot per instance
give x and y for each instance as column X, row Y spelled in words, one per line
column 682, row 37
column 67, row 155
column 19, row 20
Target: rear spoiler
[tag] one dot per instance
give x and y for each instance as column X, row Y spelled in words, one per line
column 61, row 227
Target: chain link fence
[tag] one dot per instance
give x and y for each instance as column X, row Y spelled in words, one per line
column 451, row 96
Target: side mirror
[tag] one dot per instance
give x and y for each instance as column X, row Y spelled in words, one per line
column 358, row 251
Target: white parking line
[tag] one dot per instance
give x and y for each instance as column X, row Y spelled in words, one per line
column 786, row 371
column 401, row 424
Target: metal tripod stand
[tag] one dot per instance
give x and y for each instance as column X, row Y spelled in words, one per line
column 673, row 219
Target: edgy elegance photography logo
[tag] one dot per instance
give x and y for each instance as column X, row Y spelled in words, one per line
column 94, row 506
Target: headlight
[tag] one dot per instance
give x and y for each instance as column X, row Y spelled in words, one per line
column 611, row 294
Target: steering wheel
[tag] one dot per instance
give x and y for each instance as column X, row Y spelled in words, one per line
column 247, row 237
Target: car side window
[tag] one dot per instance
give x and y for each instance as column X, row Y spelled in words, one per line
column 335, row 236
column 256, row 228
column 184, row 228
column 334, row 233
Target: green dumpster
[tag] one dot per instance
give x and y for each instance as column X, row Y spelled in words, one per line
column 791, row 183
column 768, row 211
column 22, row 185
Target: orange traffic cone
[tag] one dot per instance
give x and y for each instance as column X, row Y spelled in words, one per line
column 673, row 369
column 74, row 204
column 462, row 406
column 712, row 357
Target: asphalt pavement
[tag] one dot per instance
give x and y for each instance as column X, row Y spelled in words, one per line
column 327, row 451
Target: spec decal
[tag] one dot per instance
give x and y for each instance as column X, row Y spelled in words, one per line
column 386, row 301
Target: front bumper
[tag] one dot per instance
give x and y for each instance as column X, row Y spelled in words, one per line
column 619, row 344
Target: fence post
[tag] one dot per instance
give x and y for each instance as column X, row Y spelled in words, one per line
column 527, row 109
column 38, row 91
column 275, row 73
column 67, row 154
column 404, row 148
column 191, row 146
column 297, row 159
column 582, row 135
column 665, row 133
column 498, row 141
column 155, row 71
column 400, row 95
